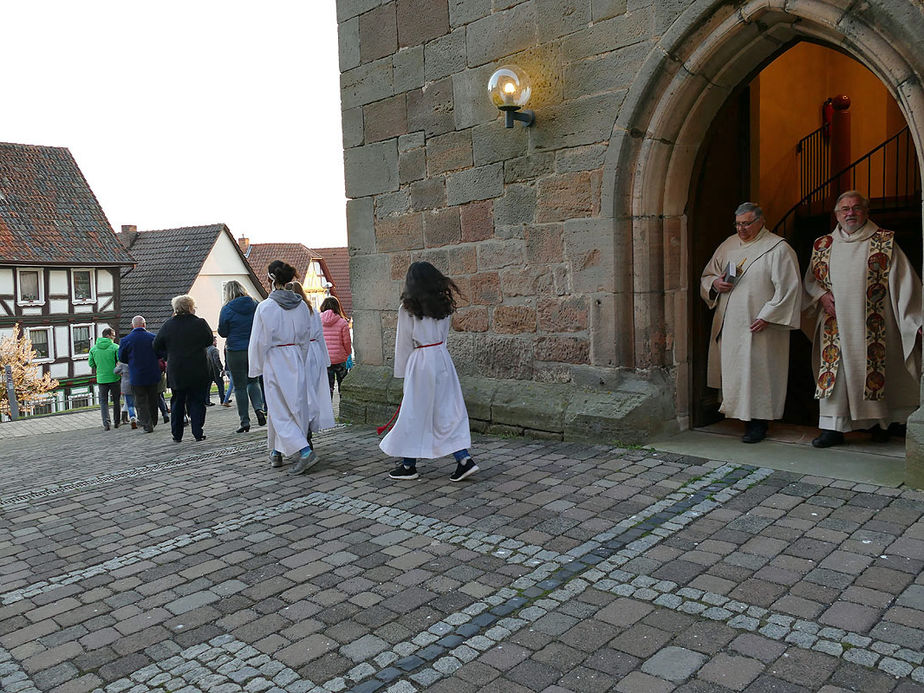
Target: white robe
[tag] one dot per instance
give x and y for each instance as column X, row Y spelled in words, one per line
column 751, row 367
column 433, row 420
column 845, row 408
column 285, row 376
column 320, row 409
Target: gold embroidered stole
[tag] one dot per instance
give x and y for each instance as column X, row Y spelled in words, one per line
column 878, row 264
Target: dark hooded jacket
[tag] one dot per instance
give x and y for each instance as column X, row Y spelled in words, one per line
column 235, row 322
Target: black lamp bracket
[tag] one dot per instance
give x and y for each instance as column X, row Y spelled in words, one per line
column 512, row 113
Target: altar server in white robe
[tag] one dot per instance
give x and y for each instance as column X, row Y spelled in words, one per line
column 278, row 350
column 317, row 359
column 752, row 282
column 432, row 420
column 866, row 301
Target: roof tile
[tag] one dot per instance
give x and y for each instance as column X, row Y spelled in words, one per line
column 48, row 213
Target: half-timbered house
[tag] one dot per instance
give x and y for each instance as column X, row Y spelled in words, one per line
column 60, row 266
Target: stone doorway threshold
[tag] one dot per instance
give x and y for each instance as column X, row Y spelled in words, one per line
column 789, row 448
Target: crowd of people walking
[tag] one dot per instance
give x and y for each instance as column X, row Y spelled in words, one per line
column 283, row 359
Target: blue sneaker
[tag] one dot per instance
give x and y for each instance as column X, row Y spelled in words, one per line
column 305, row 462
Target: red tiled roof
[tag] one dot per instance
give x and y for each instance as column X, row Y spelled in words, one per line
column 48, row 213
column 338, row 261
column 260, row 255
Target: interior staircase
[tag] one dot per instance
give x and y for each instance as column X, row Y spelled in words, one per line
column 889, row 175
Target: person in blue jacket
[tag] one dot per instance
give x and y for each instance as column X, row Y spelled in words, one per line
column 137, row 350
column 234, row 324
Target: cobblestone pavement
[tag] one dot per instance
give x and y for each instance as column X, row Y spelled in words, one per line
column 50, row 424
column 130, row 563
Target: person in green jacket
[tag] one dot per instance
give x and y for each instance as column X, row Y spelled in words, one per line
column 103, row 358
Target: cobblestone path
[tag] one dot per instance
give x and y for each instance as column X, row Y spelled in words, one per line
column 130, row 563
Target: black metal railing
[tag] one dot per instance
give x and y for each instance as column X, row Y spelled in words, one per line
column 814, row 154
column 889, row 175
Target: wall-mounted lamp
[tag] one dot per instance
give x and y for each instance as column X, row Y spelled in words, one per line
column 510, row 90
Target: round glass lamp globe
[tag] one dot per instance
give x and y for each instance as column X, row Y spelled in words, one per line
column 509, row 87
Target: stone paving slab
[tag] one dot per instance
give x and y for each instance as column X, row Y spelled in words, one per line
column 130, row 563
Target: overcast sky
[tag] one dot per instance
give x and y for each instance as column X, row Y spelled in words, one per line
column 181, row 113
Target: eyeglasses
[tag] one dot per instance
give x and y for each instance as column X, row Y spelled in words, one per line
column 855, row 208
column 744, row 224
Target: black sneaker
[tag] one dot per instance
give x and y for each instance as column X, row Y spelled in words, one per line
column 275, row 458
column 464, row 469
column 402, row 472
column 261, row 417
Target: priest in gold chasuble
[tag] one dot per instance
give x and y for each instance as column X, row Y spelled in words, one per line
column 865, row 298
column 752, row 282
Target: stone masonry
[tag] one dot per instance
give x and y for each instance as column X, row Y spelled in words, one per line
column 568, row 239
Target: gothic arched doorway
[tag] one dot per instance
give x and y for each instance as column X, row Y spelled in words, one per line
column 704, row 57
column 779, row 141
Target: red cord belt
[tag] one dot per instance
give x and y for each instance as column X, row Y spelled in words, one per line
column 296, row 344
column 381, row 429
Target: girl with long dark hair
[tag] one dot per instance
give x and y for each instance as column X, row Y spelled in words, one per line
column 432, row 421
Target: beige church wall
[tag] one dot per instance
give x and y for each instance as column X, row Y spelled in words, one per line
column 792, row 90
column 569, row 239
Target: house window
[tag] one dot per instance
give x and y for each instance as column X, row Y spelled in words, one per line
column 40, row 338
column 80, row 337
column 83, row 285
column 30, row 286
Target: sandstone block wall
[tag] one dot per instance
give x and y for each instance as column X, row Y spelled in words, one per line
column 568, row 239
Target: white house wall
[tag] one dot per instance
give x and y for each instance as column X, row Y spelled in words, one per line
column 6, row 280
column 104, row 283
column 57, row 282
column 222, row 265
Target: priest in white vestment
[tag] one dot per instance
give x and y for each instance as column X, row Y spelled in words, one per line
column 752, row 282
column 866, row 301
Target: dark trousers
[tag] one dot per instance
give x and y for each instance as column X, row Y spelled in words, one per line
column 146, row 404
column 193, row 399
column 105, row 391
column 220, row 381
column 336, row 371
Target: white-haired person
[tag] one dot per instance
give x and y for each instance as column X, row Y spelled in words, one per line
column 184, row 338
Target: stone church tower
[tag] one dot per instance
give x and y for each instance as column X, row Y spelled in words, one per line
column 570, row 239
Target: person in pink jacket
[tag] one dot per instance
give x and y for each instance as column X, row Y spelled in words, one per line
column 337, row 338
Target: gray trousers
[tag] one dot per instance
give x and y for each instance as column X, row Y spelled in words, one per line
column 105, row 391
column 244, row 387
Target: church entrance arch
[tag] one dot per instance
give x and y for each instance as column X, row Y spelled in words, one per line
column 701, row 61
